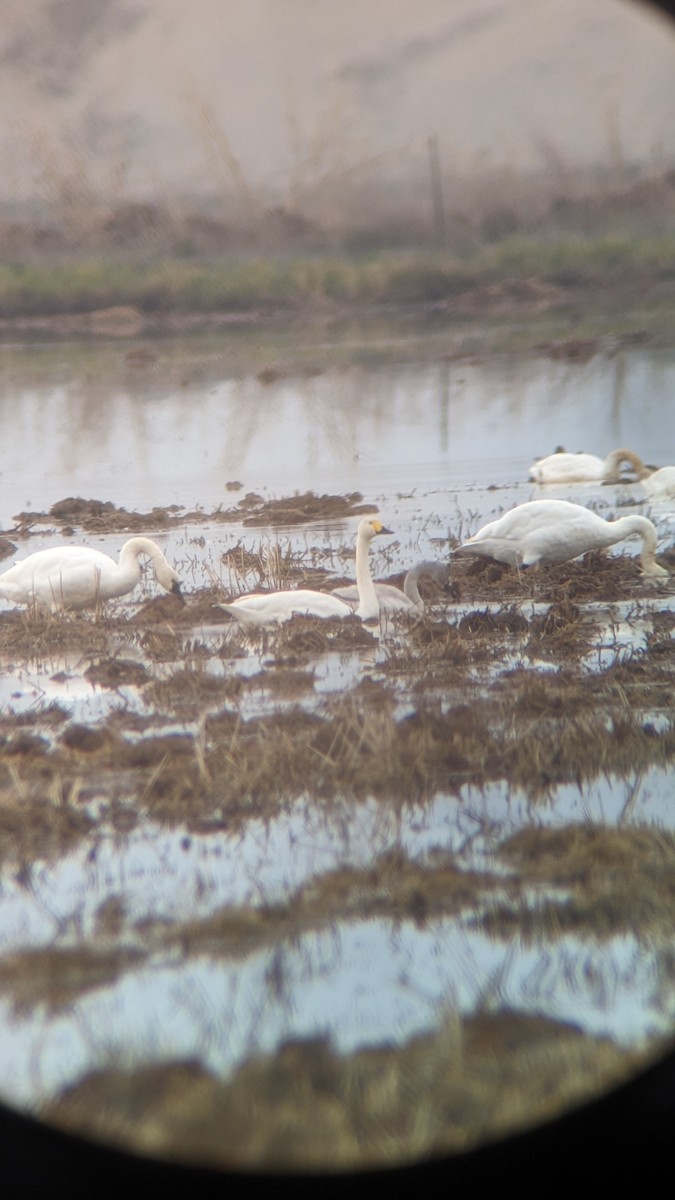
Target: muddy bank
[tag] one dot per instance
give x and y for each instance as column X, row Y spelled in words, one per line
column 512, row 299
column 102, row 516
column 154, row 720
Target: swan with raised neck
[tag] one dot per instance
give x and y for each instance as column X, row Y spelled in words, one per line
column 271, row 608
column 391, row 597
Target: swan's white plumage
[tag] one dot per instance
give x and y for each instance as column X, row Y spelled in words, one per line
column 78, row 577
column 586, row 468
column 272, row 608
column 392, row 599
column 660, row 484
column 557, row 530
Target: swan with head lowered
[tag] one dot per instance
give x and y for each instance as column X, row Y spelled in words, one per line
column 660, row 485
column 75, row 577
column 555, row 531
column 392, row 599
column 562, row 467
column 271, row 608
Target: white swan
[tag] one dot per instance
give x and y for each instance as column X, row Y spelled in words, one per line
column 79, row 577
column 660, row 484
column 392, row 599
column 586, row 468
column 273, row 607
column 556, row 530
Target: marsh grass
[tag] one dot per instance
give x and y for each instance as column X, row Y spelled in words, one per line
column 616, row 877
column 55, row 976
column 535, row 728
column 430, row 643
column 535, row 741
column 455, row 698
column 306, row 1107
column 32, row 824
column 517, row 270
column 597, row 577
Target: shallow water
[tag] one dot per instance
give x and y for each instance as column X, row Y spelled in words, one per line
column 439, row 446
column 164, row 874
column 177, row 432
column 361, row 983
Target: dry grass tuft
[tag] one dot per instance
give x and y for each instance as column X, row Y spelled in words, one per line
column 307, row 1107
column 55, row 976
column 619, row 880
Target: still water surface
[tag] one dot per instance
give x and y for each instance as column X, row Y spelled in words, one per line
column 157, row 437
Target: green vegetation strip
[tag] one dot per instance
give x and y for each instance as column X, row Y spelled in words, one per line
column 297, row 283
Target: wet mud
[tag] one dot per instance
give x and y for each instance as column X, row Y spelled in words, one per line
column 527, row 680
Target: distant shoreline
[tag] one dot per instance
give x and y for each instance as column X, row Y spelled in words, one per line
column 572, row 277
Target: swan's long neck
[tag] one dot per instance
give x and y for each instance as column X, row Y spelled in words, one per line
column 613, row 462
column 129, row 568
column 625, row 527
column 369, row 605
column 411, row 581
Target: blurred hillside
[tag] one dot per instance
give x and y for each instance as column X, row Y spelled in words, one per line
column 308, row 121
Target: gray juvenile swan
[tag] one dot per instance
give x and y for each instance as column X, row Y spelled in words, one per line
column 586, row 468
column 557, row 530
column 271, row 608
column 392, row 599
column 78, row 577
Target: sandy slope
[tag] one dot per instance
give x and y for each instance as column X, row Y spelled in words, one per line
column 154, row 96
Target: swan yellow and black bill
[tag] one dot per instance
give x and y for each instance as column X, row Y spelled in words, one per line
column 379, row 527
